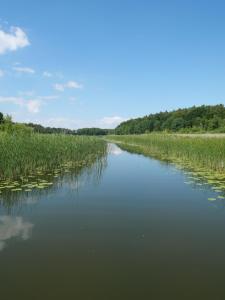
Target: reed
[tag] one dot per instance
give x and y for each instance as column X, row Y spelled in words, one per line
column 24, row 154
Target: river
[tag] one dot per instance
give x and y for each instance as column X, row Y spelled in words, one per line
column 131, row 228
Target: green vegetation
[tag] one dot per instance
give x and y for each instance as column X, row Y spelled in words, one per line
column 49, row 130
column 188, row 120
column 204, row 153
column 83, row 131
column 94, row 131
column 24, row 152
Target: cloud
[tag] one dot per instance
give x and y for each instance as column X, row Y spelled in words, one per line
column 50, row 97
column 33, row 105
column 112, row 121
column 13, row 227
column 59, row 87
column 2, row 73
column 72, row 99
column 68, row 85
column 47, row 74
column 13, row 40
column 24, row 70
column 73, row 85
column 61, row 122
column 12, row 100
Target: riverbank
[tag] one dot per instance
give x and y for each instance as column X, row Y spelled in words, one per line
column 204, row 154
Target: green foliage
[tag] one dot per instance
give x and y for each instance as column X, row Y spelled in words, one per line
column 92, row 131
column 1, row 118
column 195, row 119
column 13, row 128
column 41, row 129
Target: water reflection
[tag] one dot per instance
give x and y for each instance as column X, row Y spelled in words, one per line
column 11, row 227
column 12, row 203
column 114, row 149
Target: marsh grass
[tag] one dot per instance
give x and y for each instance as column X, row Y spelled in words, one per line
column 201, row 156
column 31, row 155
column 206, row 152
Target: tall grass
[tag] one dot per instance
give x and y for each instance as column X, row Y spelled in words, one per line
column 23, row 154
column 196, row 151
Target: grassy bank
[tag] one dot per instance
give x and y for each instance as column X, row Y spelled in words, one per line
column 25, row 154
column 204, row 153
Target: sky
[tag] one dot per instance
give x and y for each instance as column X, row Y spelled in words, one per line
column 95, row 63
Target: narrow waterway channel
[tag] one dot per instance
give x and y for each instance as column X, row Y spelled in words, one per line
column 129, row 228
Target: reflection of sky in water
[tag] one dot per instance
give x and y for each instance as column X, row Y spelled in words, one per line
column 114, row 150
column 13, row 227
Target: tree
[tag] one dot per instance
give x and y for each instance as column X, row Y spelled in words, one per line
column 1, row 118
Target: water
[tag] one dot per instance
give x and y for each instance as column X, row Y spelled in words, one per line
column 131, row 230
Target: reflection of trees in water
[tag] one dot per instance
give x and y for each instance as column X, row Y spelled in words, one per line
column 13, row 202
column 13, row 227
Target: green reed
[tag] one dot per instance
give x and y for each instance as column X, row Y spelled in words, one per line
column 24, row 154
column 195, row 151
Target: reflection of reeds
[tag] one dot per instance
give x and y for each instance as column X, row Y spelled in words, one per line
column 22, row 155
column 73, row 179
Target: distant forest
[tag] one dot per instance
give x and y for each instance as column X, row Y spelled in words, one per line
column 6, row 124
column 195, row 119
column 82, row 131
column 203, row 118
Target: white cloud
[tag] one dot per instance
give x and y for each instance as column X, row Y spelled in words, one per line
column 34, row 106
column 14, row 39
column 12, row 100
column 62, row 122
column 112, row 121
column 59, row 87
column 47, row 74
column 13, row 227
column 2, row 73
column 73, row 85
column 72, row 99
column 24, row 70
column 50, row 97
column 68, row 85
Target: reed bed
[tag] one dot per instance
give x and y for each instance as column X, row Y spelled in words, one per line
column 198, row 152
column 21, row 155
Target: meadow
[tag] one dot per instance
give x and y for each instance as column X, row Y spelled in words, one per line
column 30, row 154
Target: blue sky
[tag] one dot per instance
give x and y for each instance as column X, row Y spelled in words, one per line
column 95, row 63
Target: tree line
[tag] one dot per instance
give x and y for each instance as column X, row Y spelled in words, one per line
column 82, row 131
column 6, row 124
column 194, row 119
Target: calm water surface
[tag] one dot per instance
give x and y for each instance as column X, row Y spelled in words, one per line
column 131, row 230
